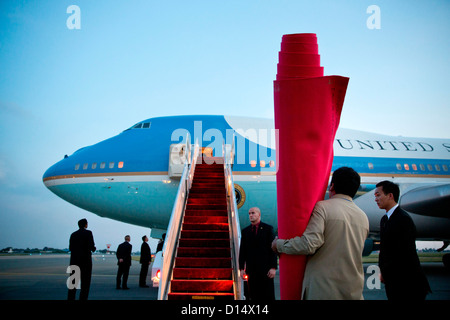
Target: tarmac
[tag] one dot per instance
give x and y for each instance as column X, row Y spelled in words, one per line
column 44, row 277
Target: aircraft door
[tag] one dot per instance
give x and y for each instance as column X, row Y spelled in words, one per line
column 177, row 159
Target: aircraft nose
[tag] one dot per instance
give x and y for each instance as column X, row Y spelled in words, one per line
column 48, row 174
column 56, row 170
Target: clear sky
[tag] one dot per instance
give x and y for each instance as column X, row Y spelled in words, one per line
column 62, row 89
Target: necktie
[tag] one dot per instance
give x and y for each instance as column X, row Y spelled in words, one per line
column 384, row 220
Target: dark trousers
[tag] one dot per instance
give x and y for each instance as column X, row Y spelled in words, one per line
column 122, row 274
column 261, row 287
column 404, row 293
column 85, row 284
column 143, row 274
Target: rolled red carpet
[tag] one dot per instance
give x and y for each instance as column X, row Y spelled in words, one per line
column 307, row 113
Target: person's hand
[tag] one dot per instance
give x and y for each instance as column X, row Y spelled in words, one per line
column 271, row 273
column 274, row 245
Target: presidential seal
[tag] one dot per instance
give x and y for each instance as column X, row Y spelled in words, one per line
column 240, row 195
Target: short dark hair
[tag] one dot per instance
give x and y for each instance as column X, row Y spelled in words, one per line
column 346, row 181
column 143, row 238
column 82, row 223
column 390, row 187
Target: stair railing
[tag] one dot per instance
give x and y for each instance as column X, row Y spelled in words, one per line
column 233, row 218
column 176, row 219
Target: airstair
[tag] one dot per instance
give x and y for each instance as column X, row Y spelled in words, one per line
column 200, row 254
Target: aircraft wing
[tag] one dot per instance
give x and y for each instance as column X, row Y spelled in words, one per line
column 431, row 200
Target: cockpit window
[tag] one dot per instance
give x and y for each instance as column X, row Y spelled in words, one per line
column 142, row 125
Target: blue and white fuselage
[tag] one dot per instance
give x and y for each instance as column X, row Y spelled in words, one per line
column 126, row 177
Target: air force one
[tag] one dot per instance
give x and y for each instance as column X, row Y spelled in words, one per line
column 133, row 177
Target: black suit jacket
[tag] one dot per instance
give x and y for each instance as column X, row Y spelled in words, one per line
column 256, row 254
column 124, row 252
column 398, row 260
column 81, row 244
column 146, row 254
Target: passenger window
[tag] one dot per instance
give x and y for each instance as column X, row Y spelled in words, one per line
column 77, row 166
column 120, row 165
column 445, row 167
column 102, row 165
column 399, row 166
column 370, row 164
column 414, row 167
column 85, row 166
column 406, row 166
column 111, row 165
column 430, row 167
column 94, row 165
column 438, row 168
column 422, row 167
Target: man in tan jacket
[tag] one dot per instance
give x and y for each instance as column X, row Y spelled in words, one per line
column 334, row 240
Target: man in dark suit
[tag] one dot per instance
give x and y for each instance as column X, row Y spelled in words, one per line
column 257, row 258
column 123, row 255
column 81, row 244
column 399, row 264
column 146, row 258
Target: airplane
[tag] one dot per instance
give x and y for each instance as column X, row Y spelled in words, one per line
column 133, row 177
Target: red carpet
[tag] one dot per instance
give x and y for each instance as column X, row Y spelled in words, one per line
column 307, row 109
column 203, row 262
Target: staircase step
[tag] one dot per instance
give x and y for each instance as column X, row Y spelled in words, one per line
column 208, row 186
column 210, row 169
column 202, row 273
column 206, row 219
column 208, row 174
column 205, row 234
column 201, row 285
column 195, row 206
column 201, row 296
column 206, row 226
column 204, row 201
column 186, row 242
column 203, row 252
column 202, row 195
column 203, row 190
column 202, row 262
column 208, row 212
column 211, row 161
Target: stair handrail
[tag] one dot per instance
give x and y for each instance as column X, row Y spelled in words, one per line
column 176, row 218
column 233, row 217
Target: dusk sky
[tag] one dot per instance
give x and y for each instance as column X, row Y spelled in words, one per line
column 65, row 85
